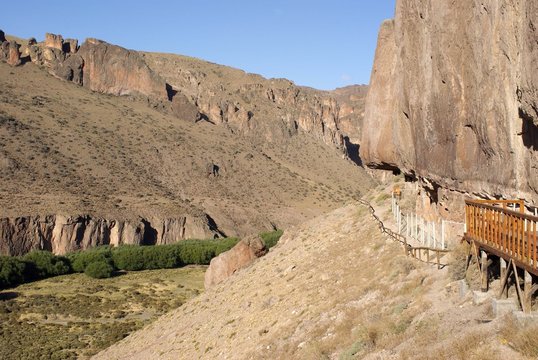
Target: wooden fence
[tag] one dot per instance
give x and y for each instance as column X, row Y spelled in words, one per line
column 419, row 253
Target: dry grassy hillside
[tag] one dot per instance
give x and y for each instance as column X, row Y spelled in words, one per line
column 333, row 288
column 66, row 150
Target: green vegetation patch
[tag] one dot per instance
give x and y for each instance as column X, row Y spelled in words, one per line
column 271, row 238
column 75, row 316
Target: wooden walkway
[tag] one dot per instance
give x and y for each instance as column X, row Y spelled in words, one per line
column 493, row 229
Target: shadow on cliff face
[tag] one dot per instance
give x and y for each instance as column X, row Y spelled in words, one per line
column 529, row 131
column 150, row 234
column 353, row 151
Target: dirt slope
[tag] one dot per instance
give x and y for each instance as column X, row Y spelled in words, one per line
column 333, row 288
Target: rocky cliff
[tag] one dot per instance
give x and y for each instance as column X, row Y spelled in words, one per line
column 453, row 96
column 63, row 234
column 266, row 109
column 196, row 90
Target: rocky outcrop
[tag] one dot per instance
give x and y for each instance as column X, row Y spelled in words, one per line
column 114, row 70
column 54, row 41
column 240, row 256
column 453, row 96
column 10, row 53
column 272, row 110
column 61, row 234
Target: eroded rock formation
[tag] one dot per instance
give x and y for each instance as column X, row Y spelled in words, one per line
column 61, row 234
column 240, row 256
column 453, row 96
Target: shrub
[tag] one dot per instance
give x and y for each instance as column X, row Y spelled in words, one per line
column 128, row 257
column 271, row 238
column 11, row 271
column 81, row 259
column 99, row 269
column 41, row 264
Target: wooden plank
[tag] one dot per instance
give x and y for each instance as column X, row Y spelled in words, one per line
column 535, row 246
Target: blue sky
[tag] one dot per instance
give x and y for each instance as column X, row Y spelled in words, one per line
column 320, row 43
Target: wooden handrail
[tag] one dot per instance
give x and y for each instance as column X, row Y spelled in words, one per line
column 409, row 250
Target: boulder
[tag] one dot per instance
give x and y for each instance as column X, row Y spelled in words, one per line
column 32, row 41
column 240, row 256
column 2, row 36
column 54, row 41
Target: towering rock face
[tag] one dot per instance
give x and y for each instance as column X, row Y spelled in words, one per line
column 453, row 97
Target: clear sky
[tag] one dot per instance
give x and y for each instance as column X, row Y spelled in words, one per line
column 320, row 43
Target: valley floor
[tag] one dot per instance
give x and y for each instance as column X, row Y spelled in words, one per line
column 75, row 316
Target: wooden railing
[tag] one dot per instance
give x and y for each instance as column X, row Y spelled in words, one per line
column 415, row 252
column 506, row 233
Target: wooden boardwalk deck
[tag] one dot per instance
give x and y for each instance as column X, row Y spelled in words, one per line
column 507, row 233
column 492, row 228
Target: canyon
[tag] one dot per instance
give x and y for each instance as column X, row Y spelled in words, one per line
column 104, row 145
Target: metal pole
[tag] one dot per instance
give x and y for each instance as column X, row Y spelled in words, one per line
column 422, row 230
column 416, row 226
column 442, row 234
column 434, row 240
column 399, row 219
column 407, row 225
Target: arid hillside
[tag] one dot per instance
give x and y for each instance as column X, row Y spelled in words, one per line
column 80, row 168
column 333, row 288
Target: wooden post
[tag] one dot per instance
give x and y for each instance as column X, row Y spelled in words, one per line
column 484, row 268
column 407, row 225
column 527, row 291
column 442, row 234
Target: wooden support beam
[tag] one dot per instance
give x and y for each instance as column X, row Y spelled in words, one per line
column 504, row 277
column 528, row 291
column 518, row 287
column 484, row 278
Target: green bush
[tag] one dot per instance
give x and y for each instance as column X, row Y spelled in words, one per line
column 99, row 269
column 271, row 238
column 11, row 271
column 81, row 259
column 42, row 264
column 133, row 258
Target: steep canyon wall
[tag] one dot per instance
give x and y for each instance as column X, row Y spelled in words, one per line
column 453, row 98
